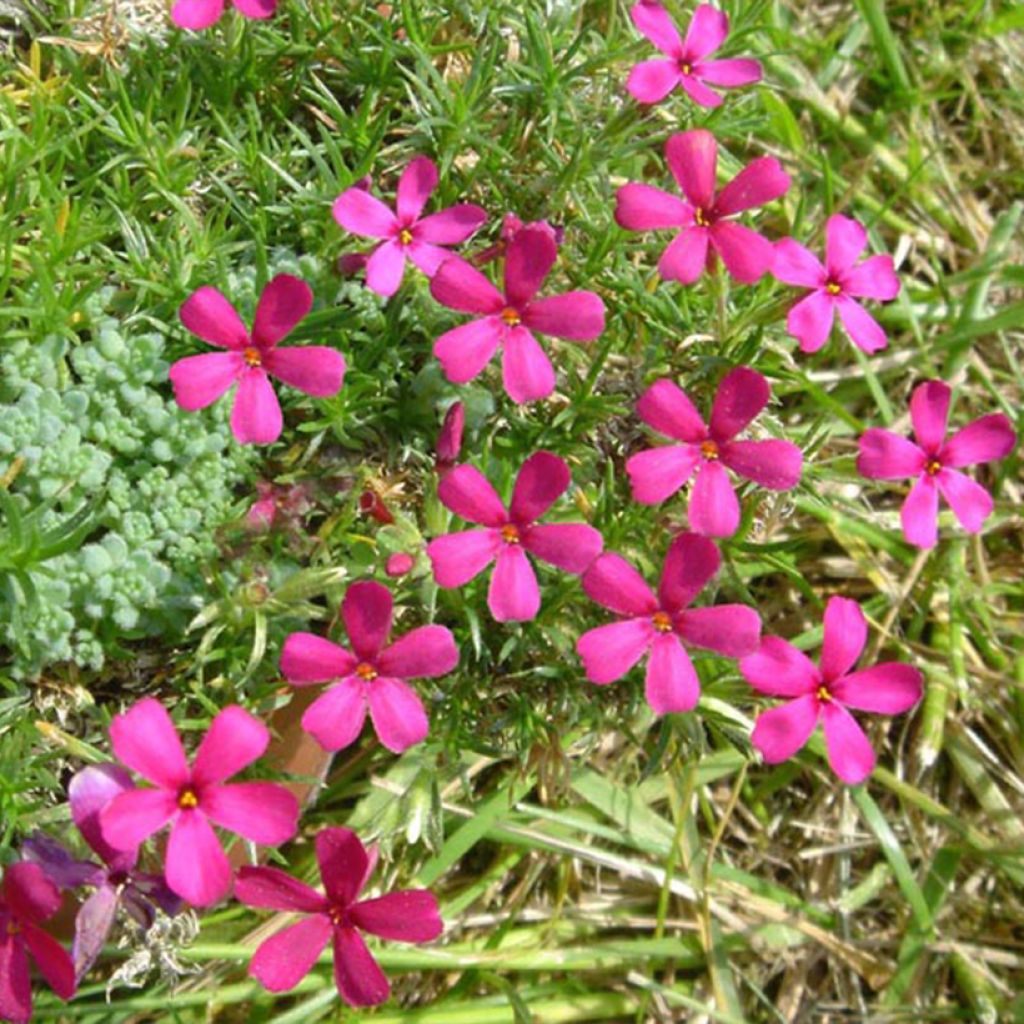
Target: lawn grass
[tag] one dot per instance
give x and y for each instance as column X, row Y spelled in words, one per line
column 593, row 863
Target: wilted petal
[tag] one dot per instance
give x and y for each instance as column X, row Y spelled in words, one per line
column 421, row 654
column 541, row 481
column 692, row 158
column 397, row 714
column 887, row 689
column 234, row 740
column 730, row 629
column 884, row 455
column 451, row 226
column 658, row 473
column 418, row 181
column 920, row 514
column 315, row 369
column 362, row 214
column 862, row 327
column 307, row 658
column 578, row 316
column 773, row 464
column 653, row 21
column 408, row 916
column 929, row 409
column 690, row 562
column 985, row 440
column 651, row 81
column 144, row 738
column 706, row 33
column 385, row 268
column 335, row 719
column 464, row 351
column 845, row 634
column 274, row 889
column 360, row 981
column 641, row 207
column 780, row 670
column 780, row 732
column 131, row 818
column 283, row 303
column 685, row 256
column 730, row 73
column 796, row 265
column 366, row 610
column 970, row 502
column 262, row 812
column 460, row 286
column 665, row 407
column 671, row 684
column 57, row 862
column 526, row 370
column 197, row 867
column 200, row 380
column 93, row 922
column 810, row 320
column 513, row 595
column 741, row 395
column 569, row 546
column 529, row 259
column 283, row 960
column 458, row 557
column 845, row 240
column 760, row 182
column 746, row 254
column 89, row 791
column 875, row 278
column 614, row 584
column 609, row 652
column 714, row 508
column 849, row 751
column 469, row 494
column 209, row 315
column 256, row 414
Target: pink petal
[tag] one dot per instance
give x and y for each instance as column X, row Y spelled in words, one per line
column 875, row 278
column 408, row 916
column 929, row 410
column 200, row 380
column 614, row 584
column 884, row 455
column 845, row 634
column 93, row 923
column 773, row 464
column 729, row 74
column 284, row 302
column 234, row 740
column 665, row 407
column 385, row 268
column 366, row 610
column 796, row 265
column 397, row 714
column 15, row 982
column 578, row 316
column 464, row 351
column 646, row 208
column 864, row 330
column 810, row 320
column 845, row 240
column 307, row 658
column 780, row 732
column 28, row 893
column 970, row 502
column 335, row 719
column 658, row 473
column 283, row 960
column 197, row 868
column 529, row 259
column 920, row 514
column 690, row 563
column 256, row 414
column 849, row 751
column 429, row 258
column 469, row 494
column 653, row 21
column 513, row 595
column 985, row 440
column 458, row 557
column 144, row 738
column 362, row 214
column 714, row 508
column 887, row 689
column 256, row 8
column 780, row 670
column 459, row 285
column 692, row 158
column 360, row 981
column 52, row 960
column 449, row 440
column 706, row 33
column 89, row 792
column 542, row 480
column 671, row 684
column 197, row 14
column 685, row 256
column 451, row 226
column 730, row 629
column 262, row 812
column 741, row 395
column 760, row 182
column 344, row 864
column 418, row 181
column 526, row 370
column 399, row 564
column 569, row 546
column 208, row 315
column 421, row 654
column 699, row 92
column 131, row 818
column 315, row 369
column 274, row 889
column 609, row 652
column 651, row 81
column 746, row 254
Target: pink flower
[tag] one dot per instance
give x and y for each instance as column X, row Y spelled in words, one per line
column 449, row 441
column 197, row 869
column 200, row 14
column 935, row 461
column 399, row 564
column 513, row 595
column 653, row 80
column 288, row 503
column 692, row 157
column 27, row 898
column 510, row 227
column 370, row 679
column 656, row 474
column 835, row 286
column 826, row 692
column 256, row 415
column 508, row 321
column 284, row 959
column 406, row 234
column 662, row 626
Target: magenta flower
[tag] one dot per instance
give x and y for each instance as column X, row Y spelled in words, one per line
column 508, row 534
column 200, row 14
column 826, row 692
column 835, row 286
column 510, row 227
column 406, row 234
column 399, row 564
column 449, row 440
column 935, row 461
column 284, row 959
column 656, row 474
column 256, row 415
column 196, row 868
column 27, row 898
column 508, row 321
column 370, row 679
column 653, row 80
column 663, row 626
column 692, row 157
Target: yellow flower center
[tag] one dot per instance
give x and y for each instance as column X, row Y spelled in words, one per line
column 13, row 928
column 405, row 236
column 187, row 801
column 510, row 533
column 662, row 622
column 709, row 450
column 511, row 316
column 366, row 671
column 701, row 218
column 824, row 695
column 686, row 67
column 252, row 356
column 833, row 288
column 932, row 467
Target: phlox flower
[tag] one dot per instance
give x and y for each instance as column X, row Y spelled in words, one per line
column 656, row 474
column 508, row 534
column 405, row 232
column 934, row 461
column 256, row 415
column 399, row 564
column 663, row 626
column 704, row 217
column 449, row 440
column 200, row 14
column 835, row 286
column 190, row 798
column 508, row 321
column 371, row 677
column 338, row 916
column 825, row 692
column 27, row 898
column 686, row 64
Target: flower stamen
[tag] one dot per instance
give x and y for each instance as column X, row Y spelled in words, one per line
column 701, row 218
column 510, row 533
column 252, row 356
column 686, row 67
column 662, row 622
column 709, row 450
column 823, row 694
column 511, row 316
column 188, row 800
column 834, row 288
column 405, row 236
column 932, row 466
column 366, row 672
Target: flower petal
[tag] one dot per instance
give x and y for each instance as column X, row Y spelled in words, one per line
column 428, row 258
column 200, row 380
column 781, row 731
column 671, row 684
column 609, row 652
column 730, row 629
column 360, row 980
column 283, row 303
column 144, row 738
column 614, row 584
column 526, row 370
column 569, row 546
column 887, row 689
column 773, row 464
column 685, row 257
column 760, row 182
column 283, row 960
column 460, row 286
column 714, row 508
column 397, row 713
column 93, row 922
column 408, row 916
column 920, row 513
column 796, row 265
column 335, row 719
column 366, row 610
column 929, row 410
column 699, row 92
column 849, row 751
column 385, row 268
column 89, row 791
column 884, row 455
column 529, row 259
column 864, row 330
column 464, row 351
column 658, row 473
column 458, row 557
column 422, row 653
column 730, row 73
column 362, row 214
column 28, row 894
column 131, row 818
column 262, row 812
column 542, row 480
column 344, row 864
column 209, row 315
column 653, row 22
column 256, row 8
column 59, row 865
column 234, row 740
column 578, row 316
column 197, row 14
column 741, row 395
column 651, row 81
column 810, row 320
column 513, row 595
column 640, row 207
column 692, row 158
column 845, row 240
column 418, row 181
column 315, row 369
column 875, row 278
column 706, row 33
column 780, row 670
column 845, row 634
column 690, row 562
column 985, row 440
column 665, row 407
column 52, row 960
column 197, row 868
column 451, row 226
column 15, row 981
column 256, row 414
column 469, row 494
column 970, row 502
column 307, row 658
column 274, row 889
column 746, row 254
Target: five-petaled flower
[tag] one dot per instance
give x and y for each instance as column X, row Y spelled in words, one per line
column 196, row 867
column 27, row 898
column 405, row 233
column 935, row 461
column 704, row 217
column 508, row 534
column 508, row 321
column 826, row 691
column 663, row 625
column 658, row 473
column 200, row 14
column 835, row 286
column 256, row 415
column 686, row 64
column 371, row 677
column 284, row 959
